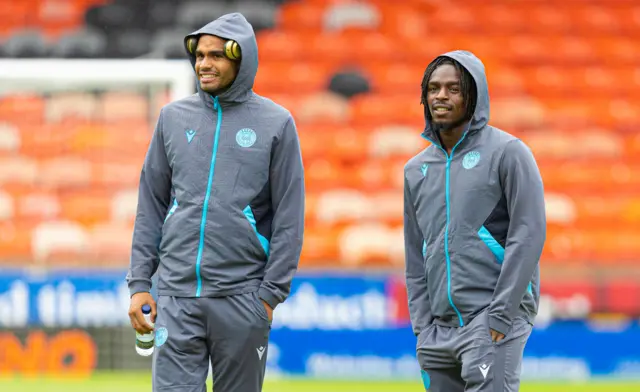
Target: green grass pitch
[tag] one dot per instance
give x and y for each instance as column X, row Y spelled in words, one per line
column 140, row 382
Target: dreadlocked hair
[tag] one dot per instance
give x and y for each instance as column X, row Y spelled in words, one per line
column 467, row 85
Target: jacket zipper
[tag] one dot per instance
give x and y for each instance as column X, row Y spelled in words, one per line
column 207, row 196
column 446, row 230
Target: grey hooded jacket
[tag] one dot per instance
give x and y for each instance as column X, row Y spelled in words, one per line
column 474, row 223
column 221, row 196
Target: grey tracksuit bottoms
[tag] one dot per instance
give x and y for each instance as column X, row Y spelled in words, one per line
column 464, row 359
column 231, row 332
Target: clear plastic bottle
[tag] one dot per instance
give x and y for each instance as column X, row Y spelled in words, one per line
column 145, row 342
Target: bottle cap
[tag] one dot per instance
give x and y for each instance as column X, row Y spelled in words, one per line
column 146, row 309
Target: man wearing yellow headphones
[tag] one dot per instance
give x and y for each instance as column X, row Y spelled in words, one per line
column 220, row 218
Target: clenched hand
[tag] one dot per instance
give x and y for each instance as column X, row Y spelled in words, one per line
column 135, row 312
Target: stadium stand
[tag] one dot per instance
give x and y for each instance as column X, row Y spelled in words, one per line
column 564, row 76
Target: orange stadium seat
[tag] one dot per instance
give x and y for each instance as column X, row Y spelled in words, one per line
column 311, row 209
column 45, row 141
column 395, row 141
column 122, row 106
column 59, row 16
column 71, row 106
column 7, row 206
column 110, row 242
column 22, row 108
column 118, row 175
column 17, row 13
column 322, row 108
column 619, row 50
column 348, row 145
column 15, row 242
column 597, row 18
column 313, row 140
column 86, row 208
column 370, row 176
column 36, row 205
column 501, row 17
column 373, row 109
column 331, row 47
column 65, row 171
column 401, row 21
column 123, row 205
column 283, row 76
column 396, row 78
column 277, row 45
column 551, row 18
column 18, row 170
column 372, row 243
column 10, row 139
column 322, row 174
column 113, row 143
column 300, row 16
column 320, row 247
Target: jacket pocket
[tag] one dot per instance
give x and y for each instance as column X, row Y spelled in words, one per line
column 424, row 258
column 494, row 246
column 264, row 242
column 172, row 210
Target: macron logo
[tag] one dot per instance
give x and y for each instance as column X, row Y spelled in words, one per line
column 484, row 369
column 190, row 134
column 260, row 351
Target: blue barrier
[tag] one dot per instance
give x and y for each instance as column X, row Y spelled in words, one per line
column 332, row 326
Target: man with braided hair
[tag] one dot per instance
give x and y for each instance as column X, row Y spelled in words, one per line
column 475, row 226
column 220, row 218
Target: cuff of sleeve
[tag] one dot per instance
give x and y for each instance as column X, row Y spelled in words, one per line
column 138, row 287
column 268, row 297
column 498, row 325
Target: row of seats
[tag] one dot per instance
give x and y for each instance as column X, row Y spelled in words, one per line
column 367, row 243
column 109, row 106
column 338, row 160
column 398, row 78
column 525, row 50
column 610, row 153
column 329, row 208
column 370, row 110
column 584, row 187
column 469, row 17
column 534, row 49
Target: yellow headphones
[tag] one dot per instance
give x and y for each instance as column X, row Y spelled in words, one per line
column 231, row 49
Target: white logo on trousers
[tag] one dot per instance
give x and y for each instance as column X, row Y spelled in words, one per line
column 260, row 351
column 484, row 369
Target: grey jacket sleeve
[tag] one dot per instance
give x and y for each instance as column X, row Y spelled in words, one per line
column 523, row 189
column 416, row 278
column 154, row 194
column 288, row 203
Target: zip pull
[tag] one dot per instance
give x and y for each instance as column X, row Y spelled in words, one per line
column 215, row 103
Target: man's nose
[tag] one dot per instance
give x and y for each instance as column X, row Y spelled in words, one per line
column 442, row 94
column 206, row 63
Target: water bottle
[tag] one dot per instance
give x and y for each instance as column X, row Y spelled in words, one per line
column 145, row 342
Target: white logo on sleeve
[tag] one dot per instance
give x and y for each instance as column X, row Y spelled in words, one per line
column 260, row 351
column 484, row 369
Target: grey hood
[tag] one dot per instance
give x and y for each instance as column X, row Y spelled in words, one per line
column 482, row 111
column 233, row 26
